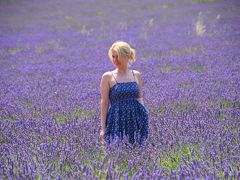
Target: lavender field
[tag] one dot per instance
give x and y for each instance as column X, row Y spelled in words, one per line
column 53, row 54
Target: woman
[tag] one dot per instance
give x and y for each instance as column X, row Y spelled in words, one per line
column 122, row 88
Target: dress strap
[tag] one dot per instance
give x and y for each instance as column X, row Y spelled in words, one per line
column 133, row 75
column 114, row 77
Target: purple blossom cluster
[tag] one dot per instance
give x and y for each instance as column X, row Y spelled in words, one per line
column 52, row 56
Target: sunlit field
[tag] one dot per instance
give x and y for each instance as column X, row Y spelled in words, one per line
column 53, row 54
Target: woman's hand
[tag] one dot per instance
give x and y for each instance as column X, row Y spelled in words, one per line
column 141, row 100
column 102, row 133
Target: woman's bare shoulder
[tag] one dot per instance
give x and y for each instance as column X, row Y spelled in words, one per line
column 136, row 72
column 107, row 74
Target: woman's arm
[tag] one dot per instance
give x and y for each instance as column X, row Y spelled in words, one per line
column 140, row 97
column 104, row 89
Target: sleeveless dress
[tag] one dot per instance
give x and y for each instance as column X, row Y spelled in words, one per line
column 126, row 116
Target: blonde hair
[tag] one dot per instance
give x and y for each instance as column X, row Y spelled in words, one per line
column 122, row 49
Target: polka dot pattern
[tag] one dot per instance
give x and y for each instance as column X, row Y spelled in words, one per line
column 126, row 117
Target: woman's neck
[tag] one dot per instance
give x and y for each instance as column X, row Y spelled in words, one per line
column 122, row 71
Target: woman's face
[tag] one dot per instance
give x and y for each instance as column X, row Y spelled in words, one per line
column 118, row 61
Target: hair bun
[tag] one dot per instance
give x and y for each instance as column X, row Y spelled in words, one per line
column 123, row 49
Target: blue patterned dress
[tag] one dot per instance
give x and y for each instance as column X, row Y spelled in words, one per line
column 126, row 116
